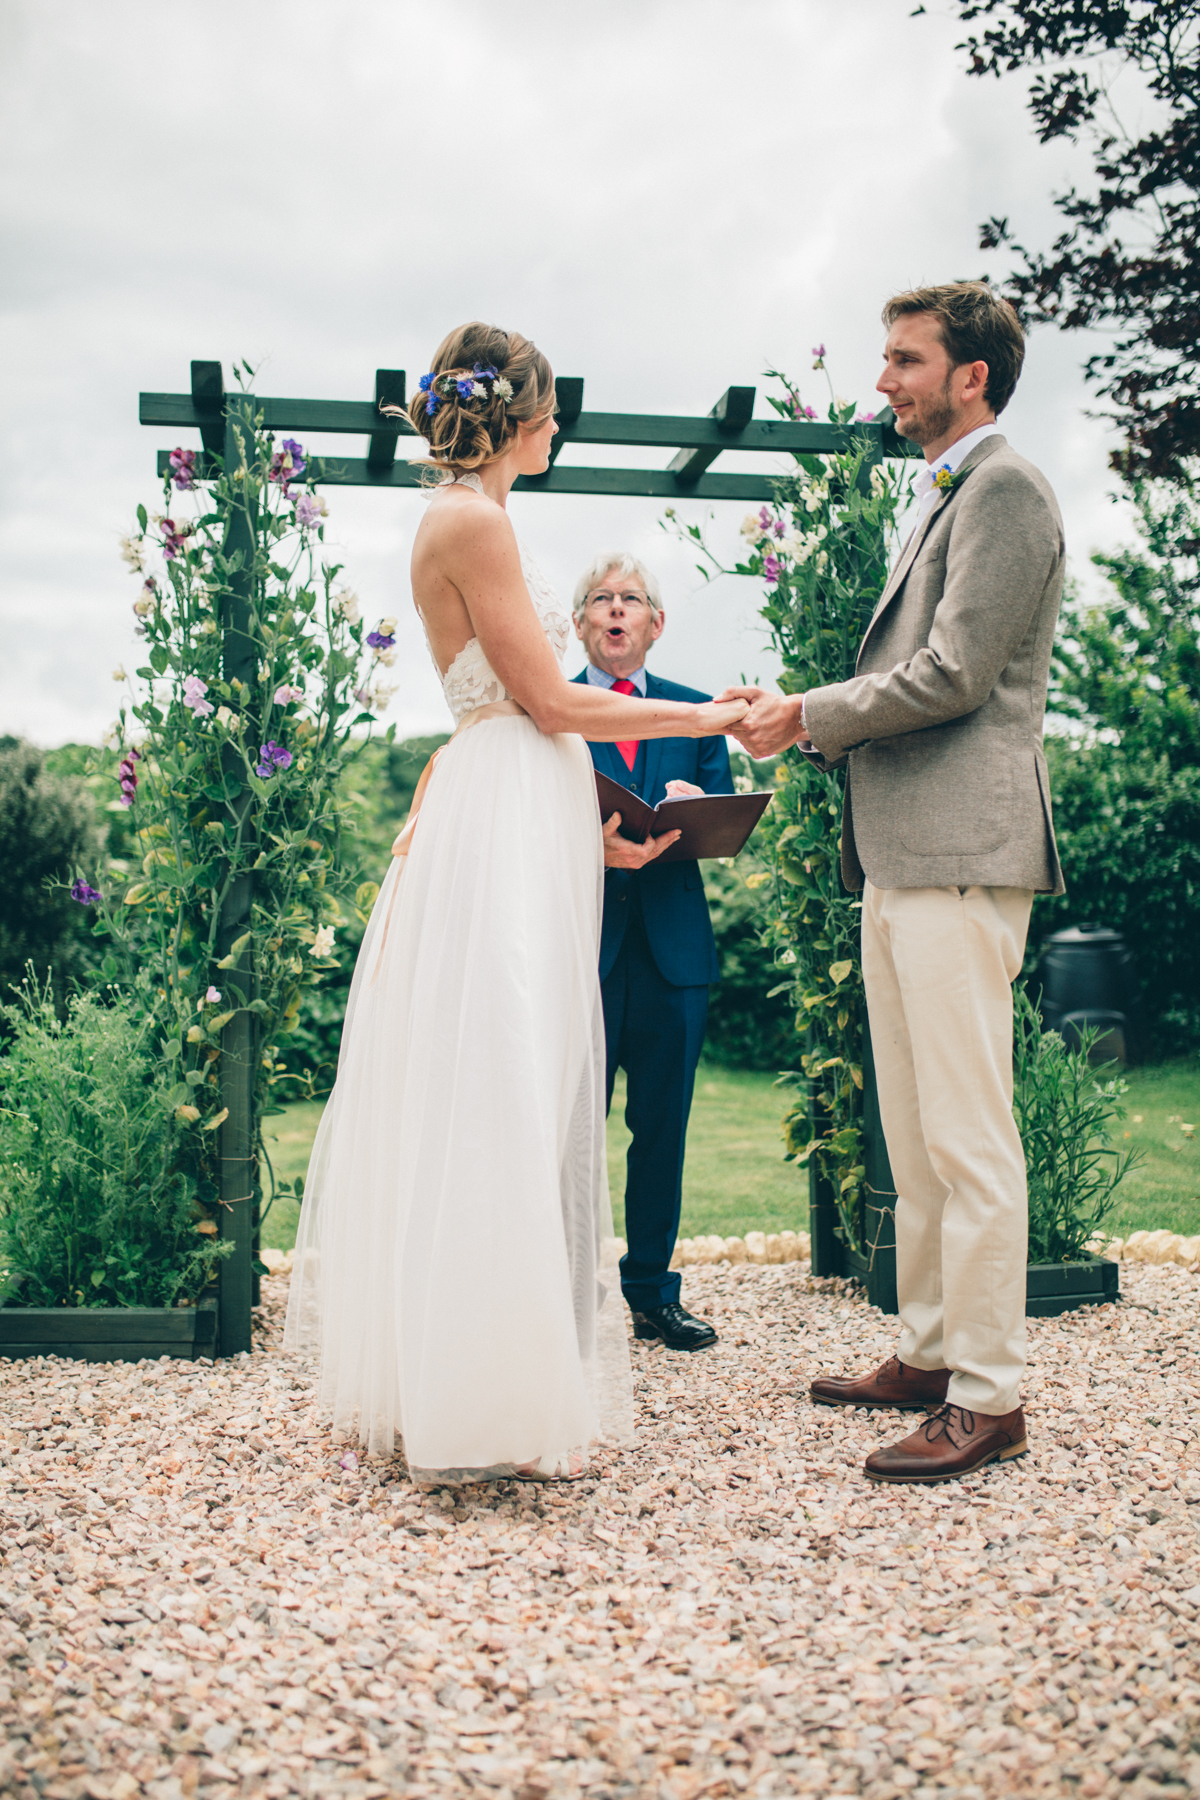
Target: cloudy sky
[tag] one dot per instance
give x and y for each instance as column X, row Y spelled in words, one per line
column 669, row 195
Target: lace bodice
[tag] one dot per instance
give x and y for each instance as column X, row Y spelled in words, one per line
column 470, row 681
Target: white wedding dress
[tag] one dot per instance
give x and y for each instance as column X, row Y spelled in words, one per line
column 455, row 1268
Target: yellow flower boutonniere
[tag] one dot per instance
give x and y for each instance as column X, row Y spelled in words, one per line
column 945, row 481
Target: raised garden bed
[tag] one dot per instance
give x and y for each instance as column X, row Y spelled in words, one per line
column 110, row 1333
column 1052, row 1288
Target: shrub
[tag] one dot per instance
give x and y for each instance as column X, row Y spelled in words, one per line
column 95, row 1208
column 1064, row 1106
column 48, row 830
column 1126, row 679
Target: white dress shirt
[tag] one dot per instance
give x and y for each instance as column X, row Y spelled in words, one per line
column 602, row 679
column 925, row 488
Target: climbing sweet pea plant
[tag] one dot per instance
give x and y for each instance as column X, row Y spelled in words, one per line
column 822, row 550
column 221, row 778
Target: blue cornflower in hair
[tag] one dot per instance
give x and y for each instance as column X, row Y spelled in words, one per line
column 466, row 387
column 484, row 374
column 431, row 405
column 425, row 383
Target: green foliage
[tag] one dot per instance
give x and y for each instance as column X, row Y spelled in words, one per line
column 95, row 1207
column 48, row 829
column 1064, row 1108
column 1126, row 782
column 238, row 781
column 745, row 1029
column 823, row 553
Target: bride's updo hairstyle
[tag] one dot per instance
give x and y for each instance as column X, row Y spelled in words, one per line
column 482, row 384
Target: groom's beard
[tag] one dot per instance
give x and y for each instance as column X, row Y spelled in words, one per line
column 931, row 419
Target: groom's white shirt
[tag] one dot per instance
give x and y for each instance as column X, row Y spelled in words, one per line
column 924, row 486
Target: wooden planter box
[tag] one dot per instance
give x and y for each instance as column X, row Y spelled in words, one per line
column 1052, row 1288
column 109, row 1333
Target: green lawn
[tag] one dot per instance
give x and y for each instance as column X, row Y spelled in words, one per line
column 736, row 1181
column 1164, row 1192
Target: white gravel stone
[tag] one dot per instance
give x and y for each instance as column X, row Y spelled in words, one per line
column 199, row 1597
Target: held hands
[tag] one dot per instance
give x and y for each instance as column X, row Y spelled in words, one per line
column 621, row 853
column 715, row 717
column 771, row 722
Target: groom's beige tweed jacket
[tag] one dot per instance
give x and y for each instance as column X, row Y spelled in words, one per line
column 942, row 720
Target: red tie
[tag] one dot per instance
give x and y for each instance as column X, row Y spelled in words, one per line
column 628, row 750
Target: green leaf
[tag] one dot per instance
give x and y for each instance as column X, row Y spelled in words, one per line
column 97, row 1278
column 141, row 517
column 838, row 971
column 159, row 659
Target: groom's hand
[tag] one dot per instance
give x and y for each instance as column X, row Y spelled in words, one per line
column 621, row 853
column 773, row 722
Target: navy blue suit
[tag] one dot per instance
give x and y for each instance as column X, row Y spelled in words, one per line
column 657, row 959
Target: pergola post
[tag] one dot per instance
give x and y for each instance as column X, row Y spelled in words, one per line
column 236, row 1136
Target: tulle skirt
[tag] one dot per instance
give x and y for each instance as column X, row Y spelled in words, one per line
column 455, row 1269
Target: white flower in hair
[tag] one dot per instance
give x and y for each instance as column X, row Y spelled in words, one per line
column 478, row 391
column 503, row 387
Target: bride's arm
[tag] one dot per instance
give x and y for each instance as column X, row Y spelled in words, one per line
column 482, row 560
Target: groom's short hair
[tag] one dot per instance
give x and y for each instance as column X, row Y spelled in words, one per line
column 628, row 566
column 976, row 326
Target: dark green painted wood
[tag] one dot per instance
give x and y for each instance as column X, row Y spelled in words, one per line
column 389, row 391
column 109, row 1333
column 647, row 430
column 655, row 484
column 568, row 392
column 208, row 399
column 236, row 1134
column 1096, row 1275
column 732, row 412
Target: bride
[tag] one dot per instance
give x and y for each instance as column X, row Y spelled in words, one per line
column 455, row 1264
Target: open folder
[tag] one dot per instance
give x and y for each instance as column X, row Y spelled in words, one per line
column 712, row 824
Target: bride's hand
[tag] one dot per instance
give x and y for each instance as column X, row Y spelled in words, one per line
column 716, row 716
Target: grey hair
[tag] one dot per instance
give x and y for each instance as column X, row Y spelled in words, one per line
column 626, row 565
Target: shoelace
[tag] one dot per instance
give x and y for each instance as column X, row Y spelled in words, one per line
column 944, row 1419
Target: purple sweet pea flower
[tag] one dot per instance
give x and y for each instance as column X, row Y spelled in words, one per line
column 287, row 464
column 273, row 759
column 194, row 691
column 174, row 539
column 819, row 353
column 183, row 468
column 127, row 777
column 213, row 996
column 379, row 640
column 86, row 896
column 772, row 568
column 310, row 510
column 864, row 418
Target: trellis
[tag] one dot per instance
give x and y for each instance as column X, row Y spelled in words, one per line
column 697, row 443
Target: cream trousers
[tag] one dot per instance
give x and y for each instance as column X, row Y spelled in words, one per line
column 939, row 964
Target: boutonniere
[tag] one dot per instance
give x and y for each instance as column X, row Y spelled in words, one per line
column 945, row 481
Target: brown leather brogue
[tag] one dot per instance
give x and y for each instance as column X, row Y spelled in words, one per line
column 893, row 1384
column 954, row 1442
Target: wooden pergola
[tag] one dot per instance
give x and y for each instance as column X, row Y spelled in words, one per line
column 697, row 442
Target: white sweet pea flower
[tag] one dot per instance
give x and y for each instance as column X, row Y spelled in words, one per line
column 750, row 528
column 224, row 717
column 112, row 737
column 322, row 944
column 347, row 607
column 386, row 657
column 131, row 553
column 119, row 673
column 387, row 627
column 821, row 562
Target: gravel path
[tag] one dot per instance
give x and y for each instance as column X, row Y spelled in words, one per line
column 198, row 1596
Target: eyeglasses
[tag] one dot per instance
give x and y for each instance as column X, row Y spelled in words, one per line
column 630, row 601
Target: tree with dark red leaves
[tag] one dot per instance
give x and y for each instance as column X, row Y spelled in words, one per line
column 1129, row 259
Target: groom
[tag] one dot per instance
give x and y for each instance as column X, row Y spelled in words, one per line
column 947, row 833
column 657, row 953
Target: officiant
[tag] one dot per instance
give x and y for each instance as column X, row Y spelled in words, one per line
column 658, row 956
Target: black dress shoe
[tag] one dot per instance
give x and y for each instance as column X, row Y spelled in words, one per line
column 675, row 1326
